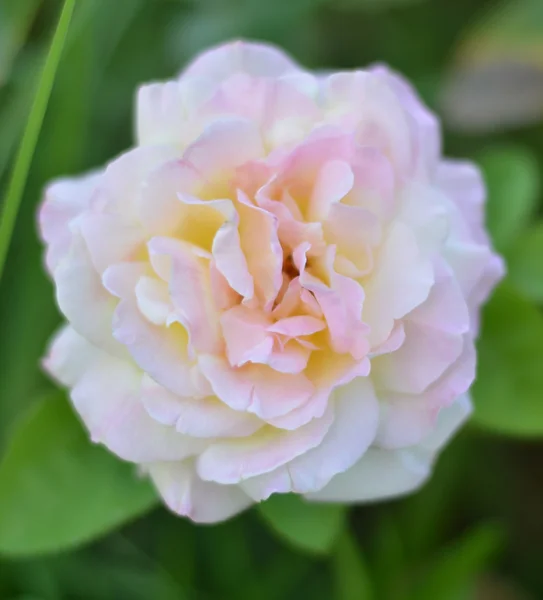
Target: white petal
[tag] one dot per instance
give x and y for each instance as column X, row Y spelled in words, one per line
column 187, row 495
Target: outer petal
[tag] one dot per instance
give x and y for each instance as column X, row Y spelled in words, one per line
column 385, row 473
column 401, row 281
column 106, row 395
column 69, row 355
column 188, row 495
column 83, row 300
column 350, row 435
column 65, row 199
column 232, row 461
column 224, row 145
column 197, row 417
column 254, row 59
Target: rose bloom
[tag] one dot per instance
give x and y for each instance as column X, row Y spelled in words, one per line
column 277, row 290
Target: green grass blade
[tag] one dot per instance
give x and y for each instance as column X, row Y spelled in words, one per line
column 32, row 130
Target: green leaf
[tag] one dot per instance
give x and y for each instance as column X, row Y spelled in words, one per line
column 352, row 578
column 15, row 21
column 373, row 5
column 508, row 390
column 513, row 180
column 459, row 564
column 525, row 263
column 57, row 490
column 308, row 526
column 30, row 137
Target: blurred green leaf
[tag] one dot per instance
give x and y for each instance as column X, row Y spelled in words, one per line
column 373, row 5
column 33, row 127
column 514, row 184
column 57, row 490
column 15, row 22
column 525, row 263
column 14, row 109
column 310, row 527
column 456, row 569
column 351, row 574
column 509, row 384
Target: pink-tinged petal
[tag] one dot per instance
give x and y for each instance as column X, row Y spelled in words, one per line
column 392, row 343
column 124, row 179
column 121, row 279
column 462, row 182
column 405, row 420
column 374, row 183
column 196, row 417
column 456, row 380
column 256, row 388
column 244, row 332
column 270, row 103
column 378, row 474
column 159, row 112
column 166, row 112
column 69, row 355
column 334, row 181
column 401, row 280
column 276, row 394
column 224, row 145
column 354, row 428
column 424, row 124
column 293, row 358
column 384, row 473
column 314, row 408
column 223, row 295
column 445, row 308
column 295, row 326
column 449, row 420
column 201, row 220
column 83, row 299
column 109, row 238
column 492, row 274
column 65, row 199
column 252, row 58
column 107, row 397
column 425, row 210
column 366, row 102
column 290, row 300
column 424, row 356
column 354, row 231
column 153, row 300
column 326, row 370
column 160, row 211
column 231, row 386
column 190, row 291
column 341, row 304
column 187, row 495
column 468, row 262
column 263, row 253
column 230, row 259
column 350, row 435
column 232, row 461
column 159, row 351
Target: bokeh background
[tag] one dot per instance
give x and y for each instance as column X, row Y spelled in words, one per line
column 77, row 524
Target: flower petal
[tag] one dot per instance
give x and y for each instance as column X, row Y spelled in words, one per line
column 197, row 417
column 232, row 461
column 188, row 495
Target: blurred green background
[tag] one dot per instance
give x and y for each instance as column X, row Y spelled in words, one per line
column 74, row 522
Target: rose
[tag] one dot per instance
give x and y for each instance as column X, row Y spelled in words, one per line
column 276, row 290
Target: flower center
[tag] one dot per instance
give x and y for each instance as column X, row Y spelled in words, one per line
column 289, row 268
